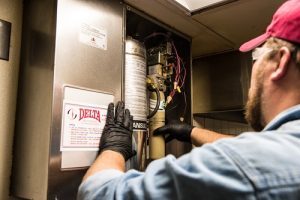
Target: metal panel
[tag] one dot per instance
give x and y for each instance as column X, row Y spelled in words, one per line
column 52, row 57
column 80, row 64
column 35, row 91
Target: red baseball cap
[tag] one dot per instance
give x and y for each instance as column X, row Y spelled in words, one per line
column 285, row 25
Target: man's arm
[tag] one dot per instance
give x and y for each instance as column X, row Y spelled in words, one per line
column 187, row 133
column 106, row 160
column 207, row 172
column 113, row 160
column 200, row 136
column 116, row 141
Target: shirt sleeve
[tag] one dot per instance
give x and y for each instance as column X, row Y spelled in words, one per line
column 204, row 173
column 95, row 181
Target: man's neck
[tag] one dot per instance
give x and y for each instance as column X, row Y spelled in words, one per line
column 280, row 100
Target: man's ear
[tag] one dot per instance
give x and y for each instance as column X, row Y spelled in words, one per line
column 283, row 63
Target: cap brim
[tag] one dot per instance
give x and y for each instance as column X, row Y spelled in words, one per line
column 250, row 45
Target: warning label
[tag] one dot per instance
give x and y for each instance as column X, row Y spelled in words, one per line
column 82, row 126
column 92, row 36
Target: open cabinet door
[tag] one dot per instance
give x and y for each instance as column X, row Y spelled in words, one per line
column 72, row 60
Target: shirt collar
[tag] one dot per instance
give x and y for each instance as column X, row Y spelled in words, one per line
column 290, row 114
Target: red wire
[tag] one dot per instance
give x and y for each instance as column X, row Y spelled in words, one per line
column 178, row 78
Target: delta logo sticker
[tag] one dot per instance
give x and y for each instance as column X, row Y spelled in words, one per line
column 83, row 112
column 89, row 113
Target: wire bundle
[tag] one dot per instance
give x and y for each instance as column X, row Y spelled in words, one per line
column 180, row 70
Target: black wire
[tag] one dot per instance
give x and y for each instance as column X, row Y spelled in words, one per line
column 157, row 103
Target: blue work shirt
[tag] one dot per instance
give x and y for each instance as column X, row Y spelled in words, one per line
column 263, row 165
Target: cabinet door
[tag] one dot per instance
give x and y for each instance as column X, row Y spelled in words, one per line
column 88, row 54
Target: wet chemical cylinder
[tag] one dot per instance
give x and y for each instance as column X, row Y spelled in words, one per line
column 156, row 143
column 136, row 98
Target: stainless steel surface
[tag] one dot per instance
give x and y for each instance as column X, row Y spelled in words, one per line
column 53, row 56
column 140, row 146
column 35, row 92
column 82, row 65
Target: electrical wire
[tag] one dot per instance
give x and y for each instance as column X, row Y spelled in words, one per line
column 180, row 69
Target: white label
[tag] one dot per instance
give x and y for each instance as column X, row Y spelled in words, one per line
column 153, row 105
column 92, row 36
column 82, row 126
column 135, row 87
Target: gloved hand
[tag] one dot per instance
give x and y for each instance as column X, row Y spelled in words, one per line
column 117, row 132
column 178, row 130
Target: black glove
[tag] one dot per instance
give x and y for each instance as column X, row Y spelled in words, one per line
column 117, row 132
column 179, row 130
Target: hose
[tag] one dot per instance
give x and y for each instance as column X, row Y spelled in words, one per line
column 157, row 102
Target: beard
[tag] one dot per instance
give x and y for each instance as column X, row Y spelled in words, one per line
column 253, row 108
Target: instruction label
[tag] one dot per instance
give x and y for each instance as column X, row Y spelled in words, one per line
column 82, row 126
column 92, row 36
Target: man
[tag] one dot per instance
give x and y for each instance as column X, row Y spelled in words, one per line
column 262, row 165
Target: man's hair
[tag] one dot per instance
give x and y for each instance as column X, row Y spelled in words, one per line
column 276, row 44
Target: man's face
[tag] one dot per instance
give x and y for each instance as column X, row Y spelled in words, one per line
column 253, row 110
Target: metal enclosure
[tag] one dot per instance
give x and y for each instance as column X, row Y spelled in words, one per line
column 140, row 26
column 77, row 44
column 53, row 56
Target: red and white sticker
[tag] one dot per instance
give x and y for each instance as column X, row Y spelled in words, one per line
column 82, row 126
